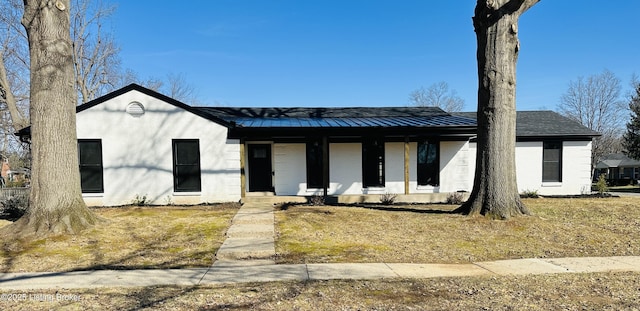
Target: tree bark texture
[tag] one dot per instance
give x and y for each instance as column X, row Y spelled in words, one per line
column 495, row 191
column 55, row 203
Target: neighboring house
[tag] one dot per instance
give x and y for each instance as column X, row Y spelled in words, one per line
column 13, row 177
column 618, row 169
column 20, row 176
column 136, row 142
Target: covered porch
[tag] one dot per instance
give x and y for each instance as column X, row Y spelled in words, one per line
column 350, row 155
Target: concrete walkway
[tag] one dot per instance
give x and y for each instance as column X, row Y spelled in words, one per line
column 250, row 238
column 247, row 255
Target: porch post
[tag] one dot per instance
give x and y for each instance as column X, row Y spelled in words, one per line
column 325, row 165
column 243, row 177
column 406, row 165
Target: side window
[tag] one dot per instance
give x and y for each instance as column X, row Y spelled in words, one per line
column 314, row 164
column 373, row 163
column 186, row 165
column 428, row 163
column 90, row 160
column 552, row 161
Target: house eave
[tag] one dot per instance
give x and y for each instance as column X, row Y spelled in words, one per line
column 266, row 133
column 556, row 137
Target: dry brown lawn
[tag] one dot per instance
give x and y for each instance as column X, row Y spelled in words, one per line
column 430, row 234
column 596, row 291
column 155, row 237
column 130, row 238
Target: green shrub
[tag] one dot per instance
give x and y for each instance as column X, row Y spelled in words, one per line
column 601, row 185
column 529, row 194
column 15, row 184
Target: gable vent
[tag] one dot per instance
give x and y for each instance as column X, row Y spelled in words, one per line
column 135, row 109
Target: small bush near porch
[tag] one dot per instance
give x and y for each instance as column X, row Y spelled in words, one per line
column 430, row 234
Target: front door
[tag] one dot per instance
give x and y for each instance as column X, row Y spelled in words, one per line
column 260, row 171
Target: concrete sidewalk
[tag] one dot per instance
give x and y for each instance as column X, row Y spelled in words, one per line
column 305, row 272
column 248, row 253
column 625, row 194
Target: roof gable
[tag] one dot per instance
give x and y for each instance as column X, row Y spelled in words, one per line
column 151, row 93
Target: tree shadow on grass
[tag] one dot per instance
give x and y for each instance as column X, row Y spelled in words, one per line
column 417, row 208
column 404, row 208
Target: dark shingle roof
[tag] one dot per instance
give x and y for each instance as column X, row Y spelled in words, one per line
column 358, row 117
column 617, row 160
column 544, row 123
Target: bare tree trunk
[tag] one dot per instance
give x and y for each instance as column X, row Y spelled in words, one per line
column 55, row 204
column 13, row 67
column 495, row 191
column 18, row 119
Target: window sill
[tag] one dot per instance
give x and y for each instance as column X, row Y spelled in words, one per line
column 373, row 190
column 552, row 184
column 186, row 194
column 426, row 187
column 93, row 195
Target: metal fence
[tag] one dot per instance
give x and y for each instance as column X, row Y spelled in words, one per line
column 7, row 193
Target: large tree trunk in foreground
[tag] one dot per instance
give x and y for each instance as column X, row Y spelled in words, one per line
column 495, row 191
column 55, row 204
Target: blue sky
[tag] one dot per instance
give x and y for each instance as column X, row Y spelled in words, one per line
column 366, row 53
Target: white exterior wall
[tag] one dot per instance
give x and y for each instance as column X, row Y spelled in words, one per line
column 290, row 167
column 393, row 168
column 345, row 169
column 454, row 165
column 529, row 166
column 137, row 152
column 576, row 168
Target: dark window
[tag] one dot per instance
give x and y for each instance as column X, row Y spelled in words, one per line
column 552, row 161
column 186, row 165
column 373, row 163
column 90, row 159
column 314, row 164
column 428, row 163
